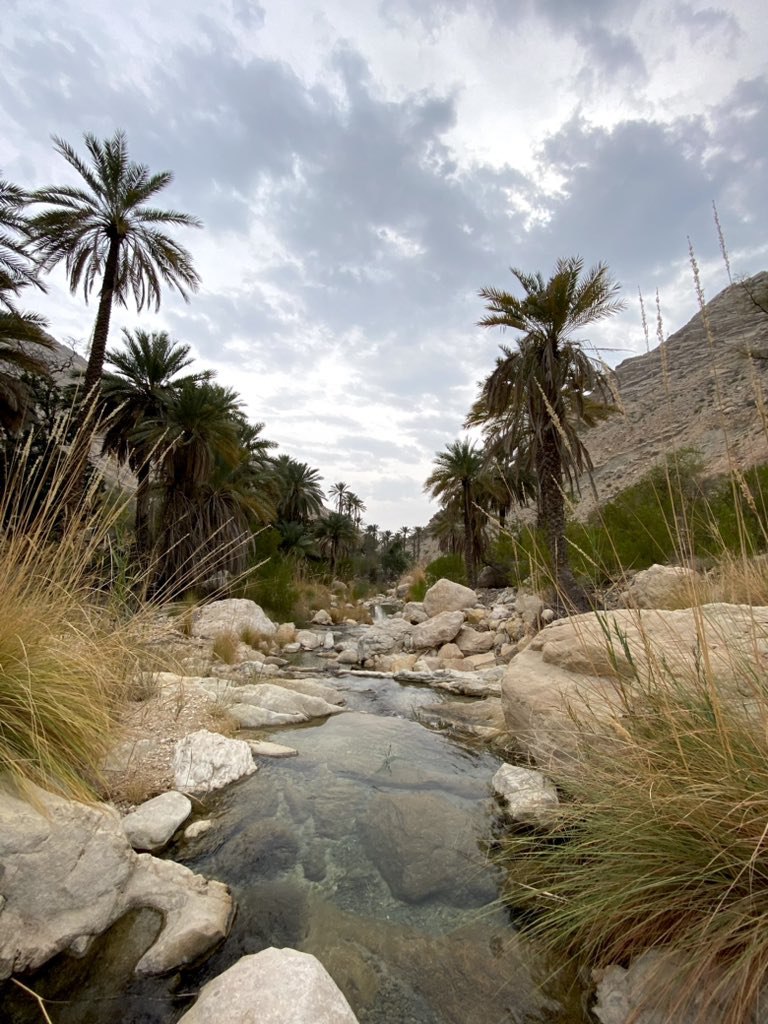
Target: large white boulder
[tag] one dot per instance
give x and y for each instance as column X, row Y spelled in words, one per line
column 584, row 665
column 276, row 986
column 446, row 596
column 662, row 586
column 233, row 615
column 69, row 873
column 204, row 761
column 436, row 631
column 151, row 824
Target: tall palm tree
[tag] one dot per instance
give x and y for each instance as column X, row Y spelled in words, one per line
column 339, row 493
column 538, row 394
column 106, row 232
column 299, row 491
column 139, row 390
column 336, row 536
column 457, row 477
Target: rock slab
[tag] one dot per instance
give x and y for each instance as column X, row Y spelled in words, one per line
column 204, row 761
column 151, row 824
column 276, row 986
column 528, row 795
column 69, row 873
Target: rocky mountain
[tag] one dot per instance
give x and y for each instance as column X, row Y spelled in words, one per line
column 705, row 387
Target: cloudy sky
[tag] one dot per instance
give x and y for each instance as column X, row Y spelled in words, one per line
column 362, row 169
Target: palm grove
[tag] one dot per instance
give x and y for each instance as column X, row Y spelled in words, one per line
column 211, row 492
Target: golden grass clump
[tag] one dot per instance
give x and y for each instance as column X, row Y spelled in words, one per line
column 226, row 647
column 65, row 656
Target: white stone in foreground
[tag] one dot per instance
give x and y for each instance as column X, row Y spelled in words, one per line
column 530, row 797
column 151, row 824
column 276, row 986
column 204, row 761
column 69, row 873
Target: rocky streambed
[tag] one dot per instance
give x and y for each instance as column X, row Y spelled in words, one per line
column 367, row 850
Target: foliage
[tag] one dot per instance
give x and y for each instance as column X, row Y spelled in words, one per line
column 449, row 567
column 663, row 841
column 458, row 479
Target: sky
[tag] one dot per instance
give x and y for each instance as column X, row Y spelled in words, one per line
column 363, row 169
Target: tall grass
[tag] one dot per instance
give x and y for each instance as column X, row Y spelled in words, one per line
column 662, row 838
column 65, row 656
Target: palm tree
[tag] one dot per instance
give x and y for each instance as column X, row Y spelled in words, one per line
column 339, row 492
column 146, row 373
column 355, row 507
column 23, row 336
column 538, row 394
column 457, row 477
column 299, row 491
column 107, row 232
column 336, row 536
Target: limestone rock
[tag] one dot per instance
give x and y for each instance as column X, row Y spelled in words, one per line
column 347, row 657
column 478, row 719
column 275, row 986
column 528, row 795
column 437, row 630
column 384, row 638
column 308, row 640
column 471, row 641
column 198, row 828
column 414, row 613
column 661, row 586
column 234, row 614
column 204, row 761
column 450, row 651
column 263, row 748
column 69, row 873
column 151, row 824
column 322, row 618
column 529, row 607
column 446, row 596
column 421, row 844
column 574, row 666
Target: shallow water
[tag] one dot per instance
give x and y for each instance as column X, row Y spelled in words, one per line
column 367, row 851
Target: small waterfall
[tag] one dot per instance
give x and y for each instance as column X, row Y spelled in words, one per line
column 379, row 615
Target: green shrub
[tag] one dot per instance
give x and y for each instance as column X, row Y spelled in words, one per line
column 449, row 567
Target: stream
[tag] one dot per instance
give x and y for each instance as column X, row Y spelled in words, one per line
column 366, row 850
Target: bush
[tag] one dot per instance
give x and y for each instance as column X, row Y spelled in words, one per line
column 448, row 567
column 663, row 843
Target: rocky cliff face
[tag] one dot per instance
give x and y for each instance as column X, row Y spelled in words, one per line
column 700, row 389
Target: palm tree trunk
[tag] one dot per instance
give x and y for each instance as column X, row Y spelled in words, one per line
column 95, row 367
column 551, row 521
column 142, row 509
column 469, row 547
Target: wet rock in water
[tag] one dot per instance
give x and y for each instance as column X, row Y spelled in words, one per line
column 233, row 615
column 446, row 596
column 69, row 873
column 481, row 719
column 424, row 847
column 151, row 825
column 259, row 704
column 263, row 748
column 204, row 761
column 529, row 796
column 275, row 986
column 197, row 829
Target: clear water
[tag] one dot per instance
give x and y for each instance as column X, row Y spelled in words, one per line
column 365, row 850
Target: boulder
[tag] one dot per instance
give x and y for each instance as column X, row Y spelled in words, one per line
column 414, row 613
column 262, row 704
column 285, row 634
column 384, row 638
column 661, row 586
column 473, row 661
column 69, row 873
column 472, row 641
column 529, row 607
column 437, row 630
column 321, row 618
column 584, row 664
column 308, row 640
column 151, row 824
column 347, row 657
column 477, row 719
column 235, row 615
column 275, row 986
column 446, row 596
column 449, row 651
column 198, row 828
column 204, row 761
column 528, row 795
column 493, row 577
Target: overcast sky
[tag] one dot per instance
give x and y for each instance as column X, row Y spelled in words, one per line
column 363, row 168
